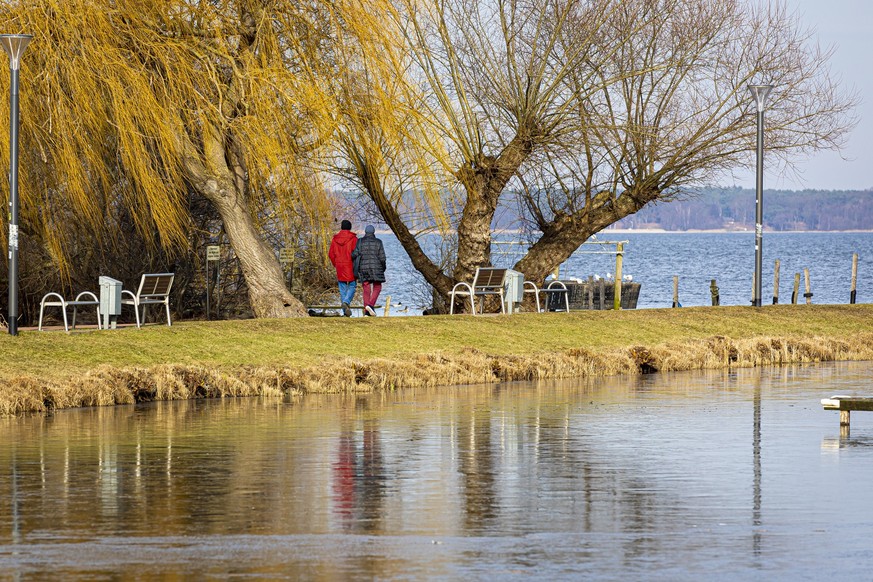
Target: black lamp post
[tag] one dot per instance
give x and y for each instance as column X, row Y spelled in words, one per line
column 759, row 92
column 14, row 45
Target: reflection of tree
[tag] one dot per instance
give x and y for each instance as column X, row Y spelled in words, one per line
column 370, row 482
column 190, row 482
column 476, row 465
column 575, row 478
column 169, row 468
column 343, row 474
column 621, row 457
column 359, row 474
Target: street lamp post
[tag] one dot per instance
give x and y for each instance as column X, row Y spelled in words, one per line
column 14, row 45
column 759, row 93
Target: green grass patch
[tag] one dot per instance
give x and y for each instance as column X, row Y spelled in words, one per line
column 307, row 342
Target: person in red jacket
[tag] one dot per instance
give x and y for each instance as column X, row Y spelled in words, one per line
column 340, row 254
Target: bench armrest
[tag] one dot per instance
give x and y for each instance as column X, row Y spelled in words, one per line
column 458, row 288
column 60, row 300
column 83, row 302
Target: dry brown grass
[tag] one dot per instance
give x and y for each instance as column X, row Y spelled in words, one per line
column 107, row 385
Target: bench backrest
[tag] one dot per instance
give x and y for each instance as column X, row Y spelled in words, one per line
column 155, row 285
column 489, row 278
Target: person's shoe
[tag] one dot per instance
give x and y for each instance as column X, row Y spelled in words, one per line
column 369, row 310
column 347, row 311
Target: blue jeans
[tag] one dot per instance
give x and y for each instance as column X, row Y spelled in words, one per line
column 347, row 291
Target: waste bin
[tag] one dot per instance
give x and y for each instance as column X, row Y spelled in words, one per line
column 110, row 301
column 514, row 286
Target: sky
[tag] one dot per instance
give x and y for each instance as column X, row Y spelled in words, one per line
column 847, row 27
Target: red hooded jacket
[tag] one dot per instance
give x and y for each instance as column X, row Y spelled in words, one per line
column 340, row 254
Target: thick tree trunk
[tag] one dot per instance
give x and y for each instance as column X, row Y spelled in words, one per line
column 484, row 182
column 567, row 232
column 474, row 231
column 217, row 171
column 268, row 295
column 552, row 249
column 210, row 175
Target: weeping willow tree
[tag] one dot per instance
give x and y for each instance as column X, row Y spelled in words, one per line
column 584, row 111
column 142, row 102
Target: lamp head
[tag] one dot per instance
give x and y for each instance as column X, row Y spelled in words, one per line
column 14, row 45
column 759, row 93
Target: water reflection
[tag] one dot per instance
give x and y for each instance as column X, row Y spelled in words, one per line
column 358, row 474
column 756, row 464
column 653, row 475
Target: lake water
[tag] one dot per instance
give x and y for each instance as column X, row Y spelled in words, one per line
column 653, row 258
column 727, row 475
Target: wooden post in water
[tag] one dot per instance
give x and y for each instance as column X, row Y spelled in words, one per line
column 601, row 292
column 387, row 305
column 590, row 292
column 619, row 256
column 796, row 289
column 675, row 290
column 854, row 277
column 808, row 293
column 845, row 417
column 713, row 290
column 776, row 282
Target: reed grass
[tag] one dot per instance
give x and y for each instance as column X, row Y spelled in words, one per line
column 49, row 370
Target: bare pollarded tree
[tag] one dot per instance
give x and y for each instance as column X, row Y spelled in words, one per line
column 683, row 118
column 485, row 88
column 586, row 110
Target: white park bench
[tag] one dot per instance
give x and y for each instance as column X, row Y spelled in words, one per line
column 154, row 289
column 56, row 300
column 486, row 281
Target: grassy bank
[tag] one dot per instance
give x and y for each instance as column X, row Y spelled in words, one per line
column 41, row 371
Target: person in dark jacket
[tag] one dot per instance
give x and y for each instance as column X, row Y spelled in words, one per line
column 369, row 261
column 340, row 254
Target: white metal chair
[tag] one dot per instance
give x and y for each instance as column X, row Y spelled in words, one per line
column 154, row 289
column 486, row 281
column 554, row 288
column 531, row 287
column 557, row 288
column 79, row 301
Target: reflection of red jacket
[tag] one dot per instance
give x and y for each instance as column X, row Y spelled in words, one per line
column 340, row 254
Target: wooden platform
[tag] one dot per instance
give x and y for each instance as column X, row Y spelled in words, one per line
column 846, row 404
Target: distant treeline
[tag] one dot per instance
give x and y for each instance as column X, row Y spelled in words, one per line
column 734, row 209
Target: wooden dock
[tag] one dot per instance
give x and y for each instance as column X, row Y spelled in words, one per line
column 846, row 404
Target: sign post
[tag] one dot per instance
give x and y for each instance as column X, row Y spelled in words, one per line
column 286, row 258
column 213, row 253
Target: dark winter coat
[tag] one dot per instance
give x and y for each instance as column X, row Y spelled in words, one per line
column 340, row 254
column 369, row 257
